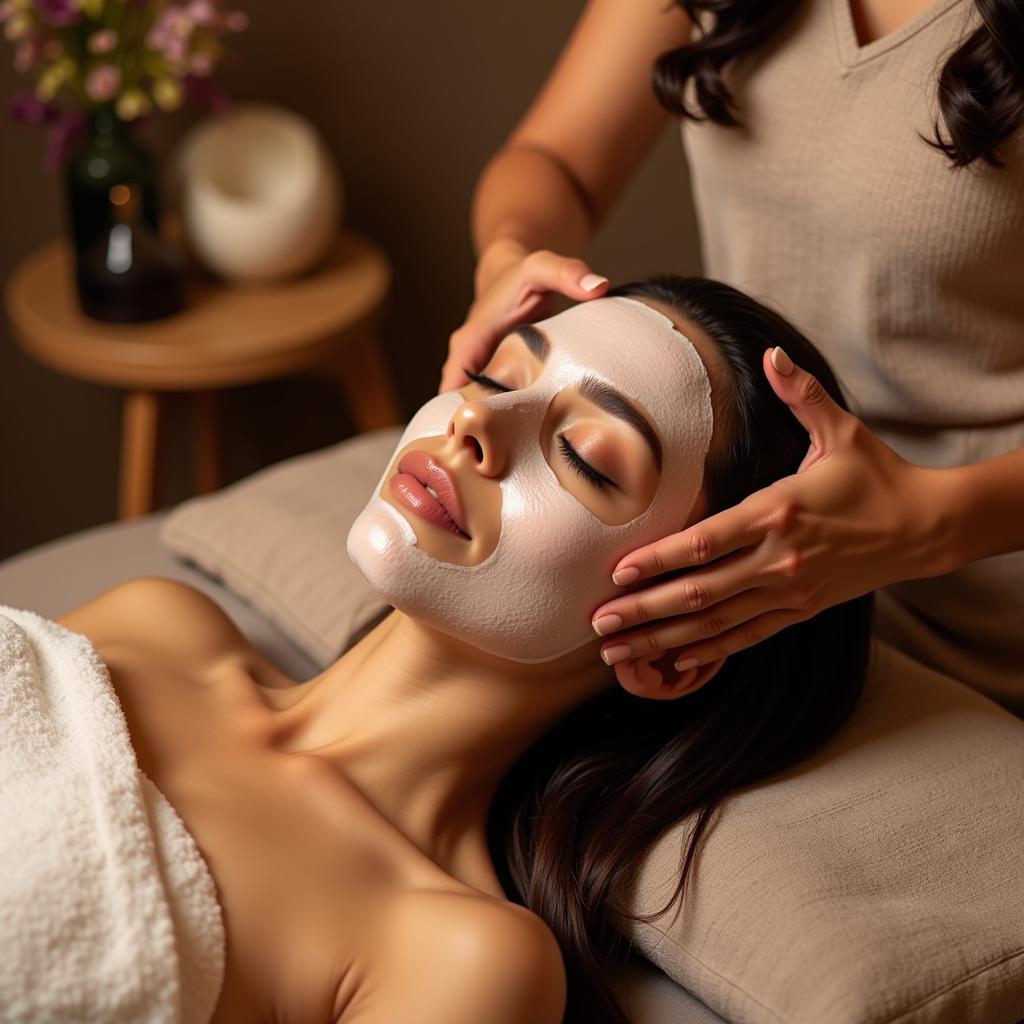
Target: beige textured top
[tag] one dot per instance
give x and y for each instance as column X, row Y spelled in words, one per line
column 907, row 274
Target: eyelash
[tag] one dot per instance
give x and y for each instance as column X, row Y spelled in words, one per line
column 579, row 465
column 480, row 378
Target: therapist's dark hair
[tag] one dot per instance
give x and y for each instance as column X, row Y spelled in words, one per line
column 980, row 85
column 577, row 814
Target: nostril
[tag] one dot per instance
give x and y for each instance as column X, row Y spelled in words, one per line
column 473, row 443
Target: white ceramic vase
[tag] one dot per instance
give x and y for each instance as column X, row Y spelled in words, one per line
column 260, row 195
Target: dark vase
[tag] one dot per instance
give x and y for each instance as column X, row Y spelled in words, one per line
column 124, row 271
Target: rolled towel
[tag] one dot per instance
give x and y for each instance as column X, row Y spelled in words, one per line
column 108, row 910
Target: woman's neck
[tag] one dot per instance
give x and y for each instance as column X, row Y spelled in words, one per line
column 427, row 726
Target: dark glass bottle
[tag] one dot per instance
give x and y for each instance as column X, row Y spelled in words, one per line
column 127, row 273
column 110, row 155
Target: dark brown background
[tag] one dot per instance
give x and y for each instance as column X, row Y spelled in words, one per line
column 412, row 100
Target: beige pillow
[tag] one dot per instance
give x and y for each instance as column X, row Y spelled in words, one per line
column 277, row 539
column 881, row 882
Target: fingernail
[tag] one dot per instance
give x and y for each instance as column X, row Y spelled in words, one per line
column 616, row 653
column 627, row 575
column 781, row 361
column 605, row 624
column 591, row 281
column 684, row 663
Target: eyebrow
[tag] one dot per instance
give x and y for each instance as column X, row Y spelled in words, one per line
column 604, row 396
column 536, row 340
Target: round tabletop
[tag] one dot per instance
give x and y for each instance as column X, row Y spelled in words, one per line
column 226, row 334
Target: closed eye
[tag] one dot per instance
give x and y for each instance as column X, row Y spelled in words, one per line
column 487, row 382
column 572, row 457
column 581, row 466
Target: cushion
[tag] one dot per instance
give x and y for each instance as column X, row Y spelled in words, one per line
column 879, row 882
column 277, row 539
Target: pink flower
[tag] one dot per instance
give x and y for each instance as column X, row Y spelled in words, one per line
column 170, row 21
column 171, row 33
column 103, row 82
column 25, row 54
column 175, row 48
column 202, row 12
column 102, row 41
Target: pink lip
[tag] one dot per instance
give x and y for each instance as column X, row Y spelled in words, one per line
column 417, row 469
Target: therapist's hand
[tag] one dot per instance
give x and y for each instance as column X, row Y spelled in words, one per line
column 513, row 286
column 854, row 517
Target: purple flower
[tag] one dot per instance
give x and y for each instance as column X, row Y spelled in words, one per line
column 58, row 13
column 205, row 92
column 67, row 132
column 26, row 108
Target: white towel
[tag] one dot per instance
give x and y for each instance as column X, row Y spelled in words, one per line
column 108, row 912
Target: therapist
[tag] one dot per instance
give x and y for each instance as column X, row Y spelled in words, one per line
column 859, row 166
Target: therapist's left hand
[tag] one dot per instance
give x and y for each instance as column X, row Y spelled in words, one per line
column 854, row 517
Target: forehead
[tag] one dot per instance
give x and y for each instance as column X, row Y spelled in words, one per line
column 630, row 346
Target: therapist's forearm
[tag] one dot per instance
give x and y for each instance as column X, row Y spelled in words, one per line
column 525, row 196
column 990, row 497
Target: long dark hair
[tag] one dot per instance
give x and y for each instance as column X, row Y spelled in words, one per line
column 980, row 86
column 575, row 816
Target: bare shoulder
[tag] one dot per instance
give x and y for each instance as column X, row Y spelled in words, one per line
column 159, row 612
column 448, row 957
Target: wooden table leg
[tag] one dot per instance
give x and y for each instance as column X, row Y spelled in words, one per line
column 205, row 442
column 366, row 384
column 139, row 427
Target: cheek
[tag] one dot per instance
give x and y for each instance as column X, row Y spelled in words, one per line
column 431, row 418
column 552, row 537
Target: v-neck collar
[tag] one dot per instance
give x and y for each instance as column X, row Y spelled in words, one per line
column 851, row 54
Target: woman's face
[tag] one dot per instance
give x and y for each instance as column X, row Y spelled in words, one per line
column 583, row 437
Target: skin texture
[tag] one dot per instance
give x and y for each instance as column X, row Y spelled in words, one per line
column 344, row 818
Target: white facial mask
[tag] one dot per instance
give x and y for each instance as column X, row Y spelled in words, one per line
column 532, row 598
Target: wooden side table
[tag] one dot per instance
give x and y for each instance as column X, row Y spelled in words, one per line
column 324, row 322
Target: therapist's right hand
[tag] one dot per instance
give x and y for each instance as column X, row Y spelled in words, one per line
column 513, row 286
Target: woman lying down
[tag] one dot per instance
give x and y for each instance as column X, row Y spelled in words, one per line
column 440, row 828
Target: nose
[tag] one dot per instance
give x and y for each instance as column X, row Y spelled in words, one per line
column 477, row 426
